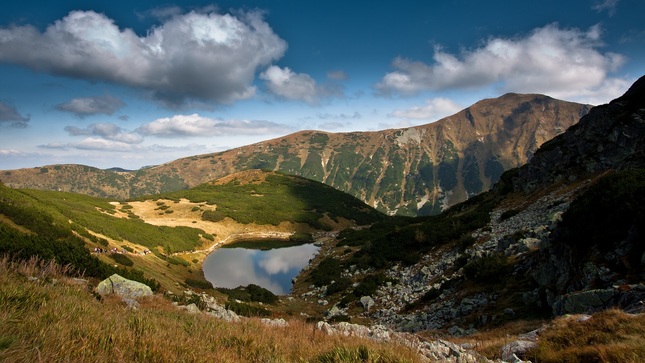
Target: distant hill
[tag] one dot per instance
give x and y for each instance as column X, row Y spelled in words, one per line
column 419, row 170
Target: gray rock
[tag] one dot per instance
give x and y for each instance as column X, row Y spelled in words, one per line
column 367, row 302
column 123, row 287
column 224, row 314
column 584, row 301
column 191, row 308
column 512, row 350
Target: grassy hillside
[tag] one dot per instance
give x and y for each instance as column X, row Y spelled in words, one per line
column 179, row 228
column 63, row 321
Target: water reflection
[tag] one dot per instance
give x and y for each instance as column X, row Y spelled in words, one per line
column 272, row 269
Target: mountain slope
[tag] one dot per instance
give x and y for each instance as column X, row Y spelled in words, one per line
column 562, row 234
column 414, row 171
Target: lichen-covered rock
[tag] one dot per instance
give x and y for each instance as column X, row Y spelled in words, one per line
column 123, row 287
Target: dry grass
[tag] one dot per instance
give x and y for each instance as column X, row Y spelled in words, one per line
column 49, row 322
column 489, row 343
column 609, row 336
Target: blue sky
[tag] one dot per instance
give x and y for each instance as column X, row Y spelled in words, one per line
column 139, row 83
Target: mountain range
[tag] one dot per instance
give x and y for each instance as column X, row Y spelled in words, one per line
column 499, row 273
column 420, row 170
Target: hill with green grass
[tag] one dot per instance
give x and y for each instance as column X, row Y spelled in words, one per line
column 147, row 234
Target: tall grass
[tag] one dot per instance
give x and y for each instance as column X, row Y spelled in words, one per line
column 57, row 322
column 608, row 336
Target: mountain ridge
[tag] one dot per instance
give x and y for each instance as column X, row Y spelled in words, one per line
column 419, row 170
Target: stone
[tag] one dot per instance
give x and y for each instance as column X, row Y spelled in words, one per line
column 190, row 308
column 123, row 287
column 367, row 302
column 511, row 350
column 224, row 314
column 584, row 301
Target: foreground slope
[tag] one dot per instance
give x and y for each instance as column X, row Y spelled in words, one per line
column 414, row 171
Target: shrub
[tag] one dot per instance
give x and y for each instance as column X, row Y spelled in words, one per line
column 487, row 268
column 178, row 261
column 328, row 270
column 121, row 259
column 199, row 284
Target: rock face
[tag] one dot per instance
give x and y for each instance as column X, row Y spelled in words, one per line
column 419, row 170
column 609, row 137
column 123, row 287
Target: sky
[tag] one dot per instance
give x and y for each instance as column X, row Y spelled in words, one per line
column 139, row 83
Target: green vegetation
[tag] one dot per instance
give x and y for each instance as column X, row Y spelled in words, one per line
column 199, row 284
column 325, row 272
column 487, row 268
column 279, row 198
column 48, row 214
column 250, row 293
column 68, row 251
column 121, row 259
column 263, row 244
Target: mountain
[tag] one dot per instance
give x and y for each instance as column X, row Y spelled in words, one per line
column 419, row 170
column 563, row 234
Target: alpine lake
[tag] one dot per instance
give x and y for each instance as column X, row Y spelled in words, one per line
column 268, row 263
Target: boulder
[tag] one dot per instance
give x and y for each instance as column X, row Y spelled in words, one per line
column 367, row 302
column 584, row 301
column 123, row 287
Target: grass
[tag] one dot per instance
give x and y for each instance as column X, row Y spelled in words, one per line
column 608, row 336
column 49, row 322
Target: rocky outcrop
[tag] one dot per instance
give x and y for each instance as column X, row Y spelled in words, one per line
column 434, row 351
column 123, row 287
column 609, row 137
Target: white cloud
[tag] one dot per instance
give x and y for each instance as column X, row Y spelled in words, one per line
column 88, row 106
column 433, row 109
column 196, row 125
column 93, row 143
column 106, row 131
column 193, row 56
column 290, row 85
column 564, row 63
column 605, row 5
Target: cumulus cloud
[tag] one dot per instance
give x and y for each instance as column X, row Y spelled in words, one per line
column 106, row 131
column 433, row 109
column 565, row 63
column 196, row 125
column 9, row 113
column 192, row 56
column 88, row 106
column 290, row 85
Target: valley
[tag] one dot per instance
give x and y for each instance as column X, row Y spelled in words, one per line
column 515, row 249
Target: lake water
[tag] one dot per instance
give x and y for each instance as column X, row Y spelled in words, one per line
column 272, row 269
